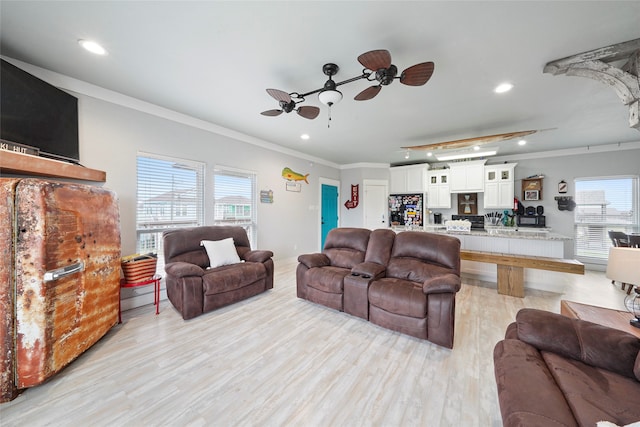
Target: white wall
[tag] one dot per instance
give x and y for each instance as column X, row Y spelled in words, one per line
column 112, row 135
column 355, row 175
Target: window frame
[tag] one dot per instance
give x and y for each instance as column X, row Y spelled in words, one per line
column 153, row 234
column 250, row 222
column 599, row 225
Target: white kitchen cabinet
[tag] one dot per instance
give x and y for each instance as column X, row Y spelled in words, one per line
column 499, row 186
column 408, row 179
column 438, row 191
column 467, row 177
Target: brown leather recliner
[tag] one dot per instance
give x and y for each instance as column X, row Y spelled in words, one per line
column 193, row 288
column 416, row 296
column 551, row 370
column 320, row 276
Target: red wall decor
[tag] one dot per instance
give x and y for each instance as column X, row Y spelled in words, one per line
column 353, row 203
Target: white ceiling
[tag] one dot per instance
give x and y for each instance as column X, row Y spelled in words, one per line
column 214, row 60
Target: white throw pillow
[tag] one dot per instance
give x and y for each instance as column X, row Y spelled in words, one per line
column 221, row 252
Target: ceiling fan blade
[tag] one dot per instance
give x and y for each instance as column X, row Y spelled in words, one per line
column 309, row 112
column 271, row 113
column 418, row 74
column 375, row 59
column 368, row 93
column 279, row 95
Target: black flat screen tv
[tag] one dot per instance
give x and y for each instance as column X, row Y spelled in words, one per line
column 38, row 114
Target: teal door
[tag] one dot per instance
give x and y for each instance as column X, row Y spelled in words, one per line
column 329, row 211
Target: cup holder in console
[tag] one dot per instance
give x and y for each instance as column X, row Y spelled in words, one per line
column 366, row 276
column 354, row 274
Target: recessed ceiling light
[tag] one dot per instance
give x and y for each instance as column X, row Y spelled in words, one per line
column 92, row 47
column 429, row 154
column 305, row 136
column 476, row 148
column 504, row 87
column 522, row 142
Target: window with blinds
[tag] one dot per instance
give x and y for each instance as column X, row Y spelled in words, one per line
column 170, row 195
column 603, row 204
column 235, row 200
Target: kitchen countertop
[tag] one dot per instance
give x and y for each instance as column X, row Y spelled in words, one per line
column 510, row 233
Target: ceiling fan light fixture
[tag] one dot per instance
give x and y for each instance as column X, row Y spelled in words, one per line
column 330, row 97
column 466, row 155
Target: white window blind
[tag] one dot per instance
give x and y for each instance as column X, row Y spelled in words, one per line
column 235, row 200
column 603, row 204
column 169, row 195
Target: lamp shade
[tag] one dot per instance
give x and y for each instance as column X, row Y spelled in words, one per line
column 624, row 265
column 330, row 96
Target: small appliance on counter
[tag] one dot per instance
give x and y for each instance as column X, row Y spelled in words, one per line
column 532, row 217
column 437, row 218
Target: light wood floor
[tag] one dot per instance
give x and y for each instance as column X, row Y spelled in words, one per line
column 276, row 360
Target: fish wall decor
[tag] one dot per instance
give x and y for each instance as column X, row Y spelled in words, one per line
column 290, row 175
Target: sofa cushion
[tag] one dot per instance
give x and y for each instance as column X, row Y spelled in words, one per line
column 221, row 252
column 528, row 392
column 231, row 277
column 398, row 296
column 636, row 368
column 327, row 279
column 595, row 394
column 588, row 342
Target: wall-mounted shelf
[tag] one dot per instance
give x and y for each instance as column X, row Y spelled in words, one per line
column 24, row 164
column 532, row 189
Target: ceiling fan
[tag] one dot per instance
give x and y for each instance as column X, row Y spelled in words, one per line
column 378, row 67
column 288, row 105
column 379, row 62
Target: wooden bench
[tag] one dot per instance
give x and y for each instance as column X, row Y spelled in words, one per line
column 511, row 268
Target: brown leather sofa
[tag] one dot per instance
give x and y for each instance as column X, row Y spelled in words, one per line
column 553, row 370
column 405, row 282
column 193, row 288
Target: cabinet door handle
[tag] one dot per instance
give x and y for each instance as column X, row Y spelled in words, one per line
column 59, row 273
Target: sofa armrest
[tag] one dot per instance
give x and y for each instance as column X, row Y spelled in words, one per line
column 257, row 256
column 183, row 269
column 314, row 260
column 442, row 284
column 369, row 270
column 590, row 343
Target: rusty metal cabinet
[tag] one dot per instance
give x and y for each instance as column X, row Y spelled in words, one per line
column 59, row 276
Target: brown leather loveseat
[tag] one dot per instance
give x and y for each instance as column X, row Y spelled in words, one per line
column 405, row 282
column 555, row 371
column 194, row 288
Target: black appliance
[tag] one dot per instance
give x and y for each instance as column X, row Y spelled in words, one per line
column 531, row 221
column 37, row 114
column 477, row 221
column 437, row 218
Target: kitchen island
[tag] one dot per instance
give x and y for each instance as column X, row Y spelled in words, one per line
column 512, row 241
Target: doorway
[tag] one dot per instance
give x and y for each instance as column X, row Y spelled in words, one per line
column 375, row 204
column 329, row 218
